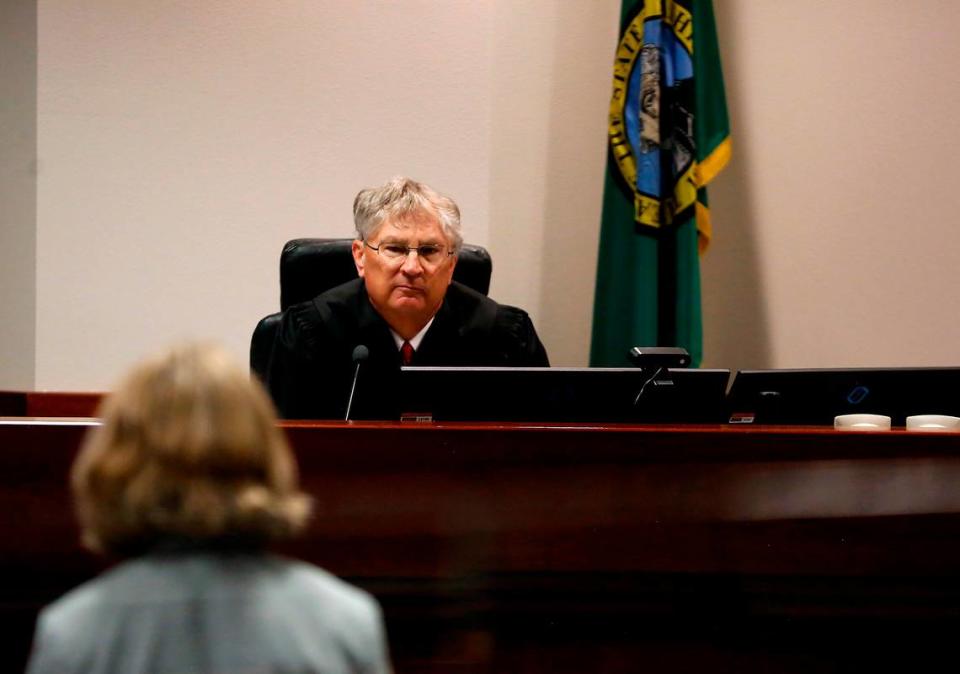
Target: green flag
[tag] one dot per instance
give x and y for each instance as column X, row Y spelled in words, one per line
column 668, row 138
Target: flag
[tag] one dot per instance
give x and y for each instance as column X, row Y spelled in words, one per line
column 668, row 138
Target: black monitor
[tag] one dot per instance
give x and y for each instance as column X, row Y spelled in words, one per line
column 816, row 396
column 552, row 394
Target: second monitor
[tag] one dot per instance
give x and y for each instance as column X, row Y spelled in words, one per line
column 627, row 395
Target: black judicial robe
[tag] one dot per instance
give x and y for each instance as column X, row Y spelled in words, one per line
column 311, row 368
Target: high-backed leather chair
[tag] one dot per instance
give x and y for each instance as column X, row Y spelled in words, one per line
column 308, row 267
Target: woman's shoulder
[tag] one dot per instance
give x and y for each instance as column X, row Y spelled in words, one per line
column 312, row 583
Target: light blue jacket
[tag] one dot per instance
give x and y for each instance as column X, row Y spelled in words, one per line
column 211, row 613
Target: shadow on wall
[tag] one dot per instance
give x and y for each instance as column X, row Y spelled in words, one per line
column 575, row 174
column 735, row 323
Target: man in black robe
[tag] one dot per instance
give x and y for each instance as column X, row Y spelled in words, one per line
column 405, row 309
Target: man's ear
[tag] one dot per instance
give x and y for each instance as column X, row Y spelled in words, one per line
column 357, row 249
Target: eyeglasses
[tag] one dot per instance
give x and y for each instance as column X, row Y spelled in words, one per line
column 428, row 253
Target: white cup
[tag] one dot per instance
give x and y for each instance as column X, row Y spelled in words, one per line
column 933, row 422
column 861, row 422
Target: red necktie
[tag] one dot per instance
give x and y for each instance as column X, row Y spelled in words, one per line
column 406, row 353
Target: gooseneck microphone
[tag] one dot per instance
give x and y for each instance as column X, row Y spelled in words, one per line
column 360, row 354
column 656, row 373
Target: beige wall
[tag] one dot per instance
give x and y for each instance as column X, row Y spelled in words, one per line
column 838, row 239
column 18, row 158
column 180, row 143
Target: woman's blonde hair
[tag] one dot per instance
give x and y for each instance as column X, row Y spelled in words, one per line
column 188, row 451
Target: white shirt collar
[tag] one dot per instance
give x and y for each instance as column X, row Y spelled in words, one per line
column 415, row 340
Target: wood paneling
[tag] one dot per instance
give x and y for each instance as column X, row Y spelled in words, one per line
column 554, row 548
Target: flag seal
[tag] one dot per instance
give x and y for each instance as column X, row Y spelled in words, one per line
column 651, row 130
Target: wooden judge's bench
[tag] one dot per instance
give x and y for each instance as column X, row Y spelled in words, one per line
column 581, row 548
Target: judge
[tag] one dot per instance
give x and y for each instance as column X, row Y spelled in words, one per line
column 404, row 308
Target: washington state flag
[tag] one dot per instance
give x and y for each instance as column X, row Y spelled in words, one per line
column 668, row 138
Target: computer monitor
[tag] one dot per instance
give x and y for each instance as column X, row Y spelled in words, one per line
column 533, row 394
column 816, row 396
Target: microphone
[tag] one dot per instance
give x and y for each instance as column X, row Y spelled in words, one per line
column 360, row 354
column 643, row 388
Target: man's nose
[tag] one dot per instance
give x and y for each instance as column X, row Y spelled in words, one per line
column 412, row 266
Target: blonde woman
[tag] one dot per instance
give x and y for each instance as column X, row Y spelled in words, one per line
column 187, row 482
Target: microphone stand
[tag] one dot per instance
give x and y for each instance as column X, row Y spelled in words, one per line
column 360, row 354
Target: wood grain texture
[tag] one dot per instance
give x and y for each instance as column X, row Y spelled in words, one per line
column 561, row 548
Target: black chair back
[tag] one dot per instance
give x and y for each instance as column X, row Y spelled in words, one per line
column 309, row 267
